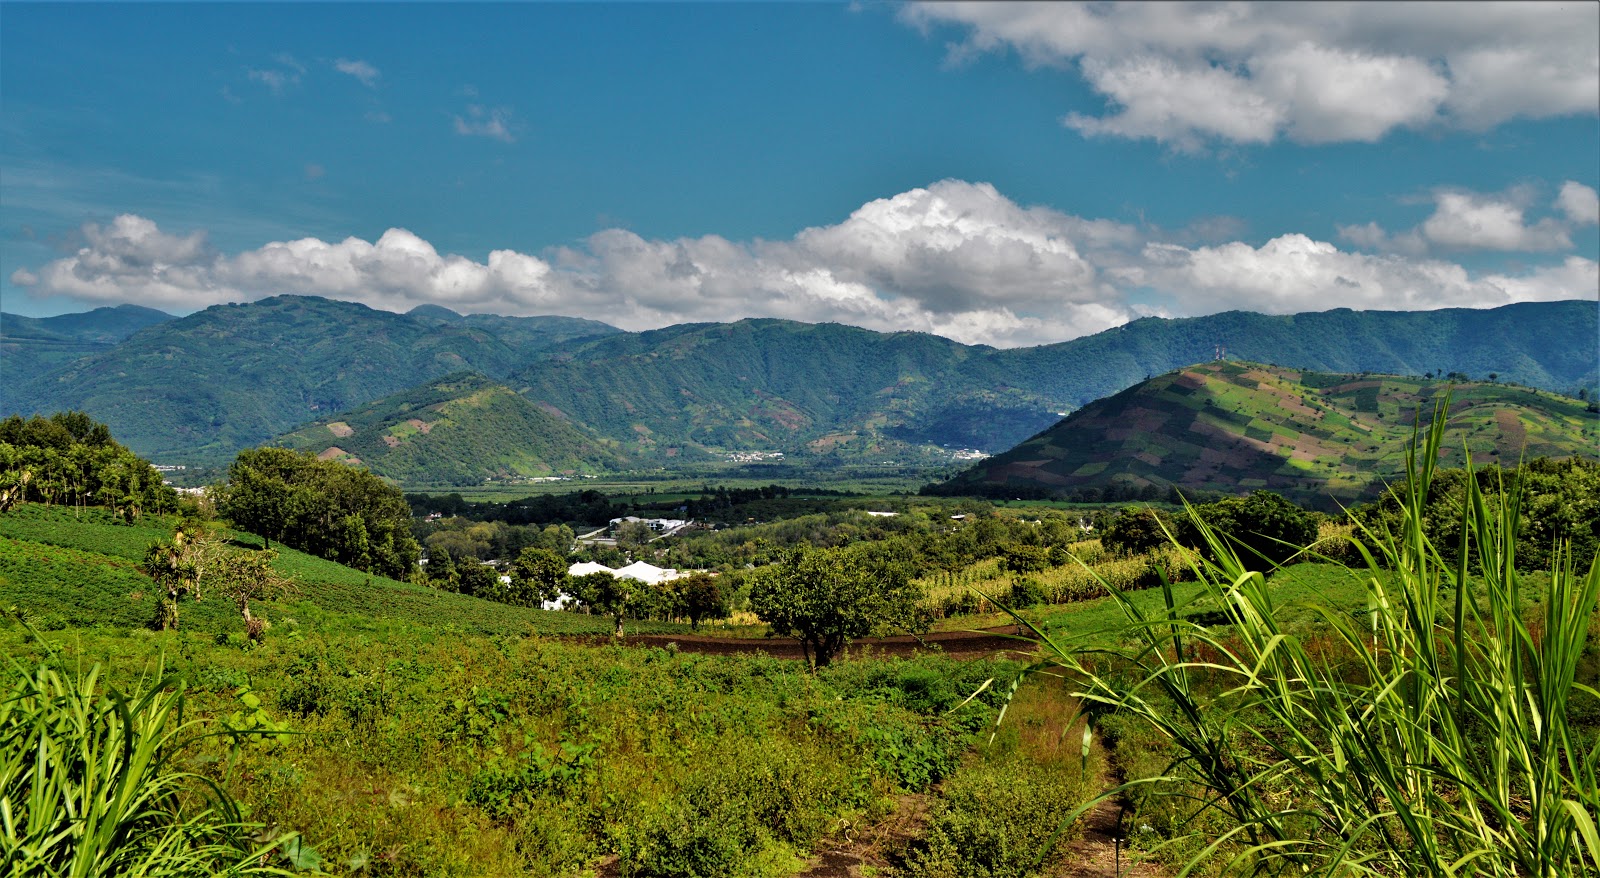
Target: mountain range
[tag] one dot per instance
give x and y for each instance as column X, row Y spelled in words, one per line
column 1317, row 438
column 199, row 387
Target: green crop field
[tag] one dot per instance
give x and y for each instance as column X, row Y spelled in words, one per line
column 104, row 552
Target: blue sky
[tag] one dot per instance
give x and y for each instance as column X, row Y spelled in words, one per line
column 1000, row 174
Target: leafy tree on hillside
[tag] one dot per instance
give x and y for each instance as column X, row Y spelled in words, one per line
column 537, row 575
column 606, row 594
column 322, row 507
column 70, row 458
column 702, row 598
column 826, row 598
column 243, row 576
column 196, row 559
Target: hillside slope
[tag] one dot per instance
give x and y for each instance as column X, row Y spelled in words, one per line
column 32, row 346
column 814, row 389
column 456, row 430
column 1314, row 437
column 232, row 376
column 198, row 388
column 805, row 388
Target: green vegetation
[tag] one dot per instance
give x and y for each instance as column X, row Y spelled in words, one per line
column 1451, row 727
column 91, row 782
column 422, row 753
column 1315, row 438
column 32, row 346
column 68, row 458
column 199, row 388
column 67, row 570
column 1559, row 502
column 462, row 429
column 826, row 598
column 321, row 507
column 196, row 389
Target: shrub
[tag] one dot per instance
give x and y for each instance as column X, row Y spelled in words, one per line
column 997, row 819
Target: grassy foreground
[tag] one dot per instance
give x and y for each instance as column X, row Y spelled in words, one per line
column 1450, row 729
column 385, row 729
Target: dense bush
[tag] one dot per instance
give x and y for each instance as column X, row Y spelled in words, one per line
column 1260, row 528
column 997, row 819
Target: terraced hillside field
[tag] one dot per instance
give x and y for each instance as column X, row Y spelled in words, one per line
column 1314, row 437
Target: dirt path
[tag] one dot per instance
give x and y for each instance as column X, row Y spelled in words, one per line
column 870, row 846
column 956, row 643
column 1098, row 852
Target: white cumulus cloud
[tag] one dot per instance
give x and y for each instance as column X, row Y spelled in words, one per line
column 1467, row 220
column 957, row 259
column 1580, row 203
column 1187, row 74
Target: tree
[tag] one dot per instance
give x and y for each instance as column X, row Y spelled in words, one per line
column 165, row 563
column 442, row 571
column 826, row 598
column 1022, row 558
column 702, row 598
column 321, row 507
column 1262, row 527
column 634, row 535
column 1137, row 530
column 477, row 579
column 196, row 559
column 537, row 575
column 605, row 594
column 243, row 576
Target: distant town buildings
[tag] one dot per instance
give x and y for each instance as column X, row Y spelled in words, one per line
column 754, row 456
column 663, row 526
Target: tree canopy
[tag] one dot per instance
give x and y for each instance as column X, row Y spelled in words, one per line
column 1260, row 527
column 826, row 598
column 322, row 507
column 70, row 458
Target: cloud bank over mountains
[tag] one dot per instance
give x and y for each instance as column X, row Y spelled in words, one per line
column 1192, row 75
column 958, row 259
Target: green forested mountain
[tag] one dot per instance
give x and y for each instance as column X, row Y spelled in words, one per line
column 31, row 346
column 232, row 376
column 456, row 430
column 1315, row 437
column 775, row 384
column 1548, row 345
column 819, row 388
column 528, row 334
